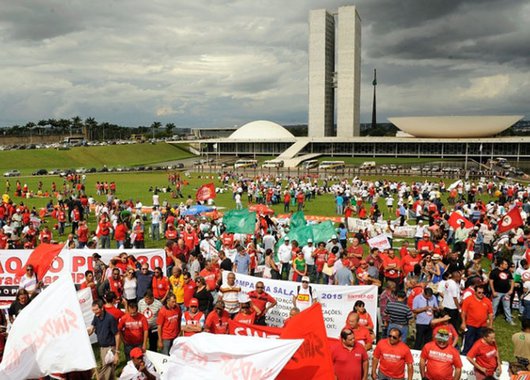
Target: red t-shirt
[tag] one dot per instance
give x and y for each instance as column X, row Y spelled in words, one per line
column 425, row 246
column 440, row 361
column 189, row 291
column 392, row 358
column 365, row 320
column 348, row 364
column 210, row 277
column 216, row 324
column 248, row 319
column 121, row 232
column 477, row 311
column 362, row 334
column 114, row 311
column 260, row 300
column 408, row 263
column 133, row 328
column 354, row 260
column 485, row 355
column 169, row 321
column 82, row 234
column 160, row 287
column 392, row 273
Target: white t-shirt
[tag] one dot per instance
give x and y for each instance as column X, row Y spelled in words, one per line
column 131, row 373
column 285, row 253
column 451, row 291
column 308, row 251
column 305, row 297
column 28, row 283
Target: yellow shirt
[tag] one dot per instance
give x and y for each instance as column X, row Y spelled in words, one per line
column 177, row 287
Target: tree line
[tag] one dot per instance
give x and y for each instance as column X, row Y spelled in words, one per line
column 92, row 129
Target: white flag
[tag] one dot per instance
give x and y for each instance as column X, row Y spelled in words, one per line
column 210, row 356
column 85, row 301
column 48, row 336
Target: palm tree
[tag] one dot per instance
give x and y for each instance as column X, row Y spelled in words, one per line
column 155, row 126
column 91, row 125
column 169, row 128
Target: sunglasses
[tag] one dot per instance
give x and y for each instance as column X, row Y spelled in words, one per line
column 145, row 269
column 260, row 287
column 193, row 306
column 305, row 282
column 393, row 337
column 479, row 292
column 29, row 270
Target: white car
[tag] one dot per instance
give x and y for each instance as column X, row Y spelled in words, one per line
column 12, row 173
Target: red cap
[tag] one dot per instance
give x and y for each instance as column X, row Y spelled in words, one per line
column 194, row 302
column 136, row 352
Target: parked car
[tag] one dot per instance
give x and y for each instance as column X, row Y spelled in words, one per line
column 80, row 170
column 12, row 173
column 40, row 172
column 54, row 171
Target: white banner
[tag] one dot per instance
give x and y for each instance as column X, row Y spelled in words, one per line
column 85, row 301
column 337, row 301
column 356, row 224
column 404, row 231
column 42, row 338
column 230, row 357
column 380, row 241
column 74, row 261
column 159, row 361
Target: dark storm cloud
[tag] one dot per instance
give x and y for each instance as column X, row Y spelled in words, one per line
column 220, row 63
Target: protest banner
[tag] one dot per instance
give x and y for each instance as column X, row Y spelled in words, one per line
column 85, row 302
column 356, row 224
column 70, row 261
column 210, row 356
column 380, row 241
column 41, row 346
column 404, row 231
column 159, row 361
column 337, row 301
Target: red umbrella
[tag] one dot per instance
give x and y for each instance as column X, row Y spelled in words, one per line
column 261, row 209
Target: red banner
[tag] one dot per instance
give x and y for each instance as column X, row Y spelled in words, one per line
column 205, row 192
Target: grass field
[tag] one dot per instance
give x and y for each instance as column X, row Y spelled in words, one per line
column 28, row 161
column 135, row 186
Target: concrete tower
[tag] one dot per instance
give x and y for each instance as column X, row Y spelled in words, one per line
column 321, row 68
column 348, row 72
column 325, row 76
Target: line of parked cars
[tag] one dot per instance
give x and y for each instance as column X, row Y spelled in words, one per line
column 119, row 169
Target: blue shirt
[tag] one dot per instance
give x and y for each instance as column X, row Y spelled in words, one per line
column 242, row 262
column 419, row 302
column 106, row 329
column 143, row 282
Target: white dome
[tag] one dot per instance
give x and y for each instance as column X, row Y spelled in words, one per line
column 454, row 126
column 261, row 130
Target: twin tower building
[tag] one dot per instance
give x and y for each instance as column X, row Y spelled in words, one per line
column 334, row 72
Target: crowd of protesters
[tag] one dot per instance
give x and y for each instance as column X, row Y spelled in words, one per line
column 439, row 291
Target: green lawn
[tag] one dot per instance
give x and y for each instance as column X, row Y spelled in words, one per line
column 135, row 186
column 28, row 161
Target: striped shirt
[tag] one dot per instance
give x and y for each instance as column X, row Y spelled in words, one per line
column 398, row 313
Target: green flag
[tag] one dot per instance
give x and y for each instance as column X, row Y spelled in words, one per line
column 297, row 220
column 323, row 231
column 240, row 221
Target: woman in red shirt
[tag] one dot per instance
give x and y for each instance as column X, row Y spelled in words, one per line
column 320, row 254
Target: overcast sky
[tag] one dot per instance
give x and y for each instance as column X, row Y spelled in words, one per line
column 220, row 63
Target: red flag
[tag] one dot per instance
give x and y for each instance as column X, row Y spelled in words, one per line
column 510, row 220
column 205, row 192
column 456, row 218
column 313, row 358
column 237, row 328
column 41, row 259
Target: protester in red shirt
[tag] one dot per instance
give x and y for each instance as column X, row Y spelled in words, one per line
column 82, row 234
column 392, row 266
column 120, row 234
column 350, row 360
column 114, row 283
column 171, row 232
column 439, row 360
column 355, row 253
column 168, row 322
column 217, row 320
column 134, row 329
column 191, row 240
column 189, row 289
column 425, row 245
column 91, row 284
column 409, row 261
column 443, row 323
column 246, row 315
column 210, row 275
column 365, row 318
column 262, row 302
column 160, row 285
column 362, row 334
column 193, row 319
column 391, row 355
column 484, row 356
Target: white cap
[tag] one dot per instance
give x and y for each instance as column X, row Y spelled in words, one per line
column 309, row 240
column 206, row 235
column 333, row 237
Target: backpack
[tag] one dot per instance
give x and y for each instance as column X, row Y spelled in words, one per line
column 310, row 291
